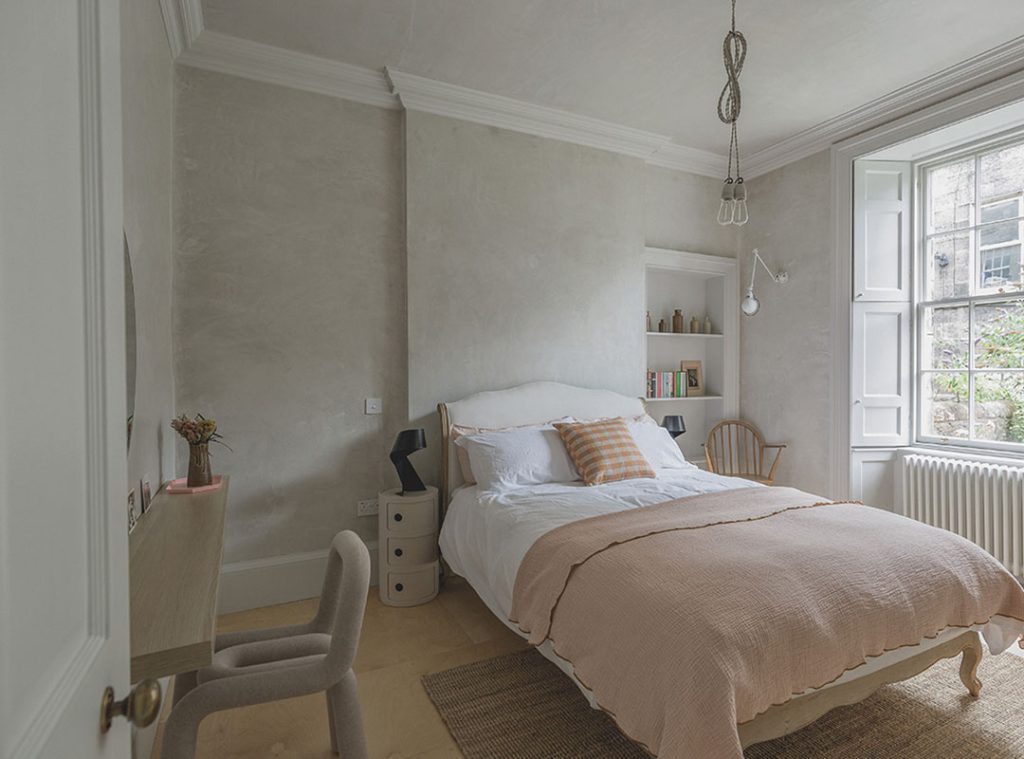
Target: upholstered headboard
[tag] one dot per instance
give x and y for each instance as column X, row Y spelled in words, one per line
column 532, row 403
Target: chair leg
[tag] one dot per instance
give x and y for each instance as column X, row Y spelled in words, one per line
column 347, row 737
column 181, row 733
column 330, row 723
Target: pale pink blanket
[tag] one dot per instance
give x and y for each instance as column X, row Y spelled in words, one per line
column 689, row 617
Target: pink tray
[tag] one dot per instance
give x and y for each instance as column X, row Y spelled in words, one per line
column 180, row 486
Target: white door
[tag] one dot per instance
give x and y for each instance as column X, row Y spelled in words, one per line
column 63, row 534
column 880, row 375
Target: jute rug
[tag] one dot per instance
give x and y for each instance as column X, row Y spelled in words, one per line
column 520, row 706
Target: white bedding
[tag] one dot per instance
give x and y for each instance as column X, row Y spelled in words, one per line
column 486, row 534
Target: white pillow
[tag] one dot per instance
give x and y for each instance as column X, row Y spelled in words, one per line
column 657, row 446
column 521, row 456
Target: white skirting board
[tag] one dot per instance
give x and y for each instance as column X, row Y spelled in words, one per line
column 277, row 579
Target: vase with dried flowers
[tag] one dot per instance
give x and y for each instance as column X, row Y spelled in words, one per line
column 198, row 432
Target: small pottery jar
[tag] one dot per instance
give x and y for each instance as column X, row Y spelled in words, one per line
column 707, row 325
column 662, row 327
column 199, row 474
column 678, row 325
column 695, row 325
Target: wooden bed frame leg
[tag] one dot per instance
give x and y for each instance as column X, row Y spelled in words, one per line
column 969, row 665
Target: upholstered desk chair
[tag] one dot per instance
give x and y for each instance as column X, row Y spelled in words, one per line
column 258, row 666
column 737, row 449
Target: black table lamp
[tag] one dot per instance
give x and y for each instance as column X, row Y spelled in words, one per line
column 407, row 442
column 674, row 424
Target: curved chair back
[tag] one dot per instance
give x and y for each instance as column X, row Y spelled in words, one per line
column 343, row 600
column 736, row 448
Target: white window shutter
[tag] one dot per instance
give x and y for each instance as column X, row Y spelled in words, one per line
column 881, row 231
column 880, row 375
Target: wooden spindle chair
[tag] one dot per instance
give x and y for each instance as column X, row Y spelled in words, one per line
column 737, row 449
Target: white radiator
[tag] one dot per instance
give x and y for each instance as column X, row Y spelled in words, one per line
column 982, row 502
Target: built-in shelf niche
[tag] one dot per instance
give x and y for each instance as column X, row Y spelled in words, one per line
column 700, row 285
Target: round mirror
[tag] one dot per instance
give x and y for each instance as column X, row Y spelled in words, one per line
column 129, row 337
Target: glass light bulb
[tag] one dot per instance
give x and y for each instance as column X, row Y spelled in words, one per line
column 725, row 212
column 739, row 193
column 726, row 209
column 739, row 214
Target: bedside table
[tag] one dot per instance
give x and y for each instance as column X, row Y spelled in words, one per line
column 409, row 566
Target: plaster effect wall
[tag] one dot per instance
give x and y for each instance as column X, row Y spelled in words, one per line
column 289, row 301
column 786, row 349
column 680, row 211
column 147, row 99
column 524, row 258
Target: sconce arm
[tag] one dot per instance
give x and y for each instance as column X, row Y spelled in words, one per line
column 780, row 278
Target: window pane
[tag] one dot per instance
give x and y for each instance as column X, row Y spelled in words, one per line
column 1002, row 173
column 944, row 409
column 999, row 407
column 999, row 335
column 951, row 193
column 1004, row 231
column 948, row 266
column 945, row 338
column 999, row 267
column 1004, row 209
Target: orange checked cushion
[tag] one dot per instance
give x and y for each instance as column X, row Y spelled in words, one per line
column 604, row 451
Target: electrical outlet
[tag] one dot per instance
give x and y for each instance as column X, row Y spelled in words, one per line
column 366, row 507
column 373, row 406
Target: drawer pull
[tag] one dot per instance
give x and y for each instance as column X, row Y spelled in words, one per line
column 399, row 587
column 398, row 517
column 398, row 552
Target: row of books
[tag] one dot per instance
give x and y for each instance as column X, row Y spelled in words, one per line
column 666, row 384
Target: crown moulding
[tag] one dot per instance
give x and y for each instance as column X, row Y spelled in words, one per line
column 192, row 45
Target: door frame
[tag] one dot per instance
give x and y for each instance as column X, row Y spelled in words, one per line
column 1004, row 91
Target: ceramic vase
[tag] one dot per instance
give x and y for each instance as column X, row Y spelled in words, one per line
column 678, row 325
column 199, row 474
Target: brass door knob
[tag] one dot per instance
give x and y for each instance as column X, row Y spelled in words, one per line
column 140, row 707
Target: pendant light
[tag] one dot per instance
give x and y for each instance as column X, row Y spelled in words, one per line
column 733, row 208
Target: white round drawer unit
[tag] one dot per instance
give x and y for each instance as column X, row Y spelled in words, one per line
column 409, row 566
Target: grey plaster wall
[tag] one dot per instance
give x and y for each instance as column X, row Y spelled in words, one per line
column 147, row 99
column 786, row 348
column 525, row 263
column 289, row 295
column 680, row 211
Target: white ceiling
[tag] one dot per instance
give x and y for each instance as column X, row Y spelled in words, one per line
column 654, row 65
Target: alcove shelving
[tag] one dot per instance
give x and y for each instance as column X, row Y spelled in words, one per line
column 700, row 285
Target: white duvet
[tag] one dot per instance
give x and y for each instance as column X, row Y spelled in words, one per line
column 486, row 534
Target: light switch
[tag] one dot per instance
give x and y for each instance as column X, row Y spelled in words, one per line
column 373, row 405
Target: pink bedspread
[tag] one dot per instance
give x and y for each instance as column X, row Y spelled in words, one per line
column 692, row 616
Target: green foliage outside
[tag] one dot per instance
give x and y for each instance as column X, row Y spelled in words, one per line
column 999, row 345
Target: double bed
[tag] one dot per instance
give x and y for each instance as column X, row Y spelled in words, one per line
column 495, row 537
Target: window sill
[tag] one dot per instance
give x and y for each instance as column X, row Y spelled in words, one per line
column 982, row 455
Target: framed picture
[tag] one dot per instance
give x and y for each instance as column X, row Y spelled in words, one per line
column 147, row 496
column 694, row 371
column 132, row 516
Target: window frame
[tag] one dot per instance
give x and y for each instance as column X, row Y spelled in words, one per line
column 922, row 237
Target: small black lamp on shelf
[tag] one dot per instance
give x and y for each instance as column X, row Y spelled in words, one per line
column 408, row 442
column 675, row 424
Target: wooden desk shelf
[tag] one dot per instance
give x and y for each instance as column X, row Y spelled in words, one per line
column 175, row 555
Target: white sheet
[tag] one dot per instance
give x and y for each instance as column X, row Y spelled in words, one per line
column 486, row 534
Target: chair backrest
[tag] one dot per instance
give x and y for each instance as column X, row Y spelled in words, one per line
column 735, row 448
column 343, row 600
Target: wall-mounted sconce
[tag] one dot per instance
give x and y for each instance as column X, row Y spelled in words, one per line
column 750, row 304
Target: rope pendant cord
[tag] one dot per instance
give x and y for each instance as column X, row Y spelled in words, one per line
column 733, row 207
column 734, row 53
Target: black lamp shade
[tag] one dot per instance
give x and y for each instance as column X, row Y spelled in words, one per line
column 675, row 424
column 408, row 442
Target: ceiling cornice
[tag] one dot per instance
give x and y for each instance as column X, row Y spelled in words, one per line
column 192, row 45
column 418, row 93
column 981, row 69
column 265, row 63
